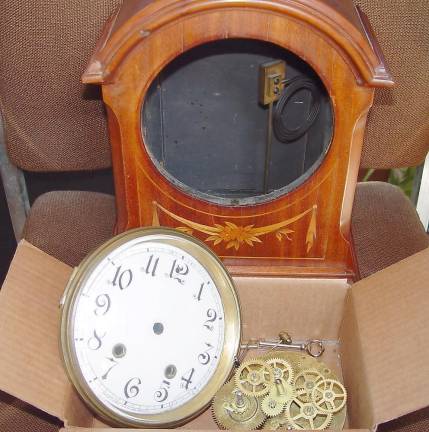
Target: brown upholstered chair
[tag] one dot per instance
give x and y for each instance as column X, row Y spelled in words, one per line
column 53, row 123
column 385, row 225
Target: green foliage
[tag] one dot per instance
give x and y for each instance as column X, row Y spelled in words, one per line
column 401, row 177
column 404, row 178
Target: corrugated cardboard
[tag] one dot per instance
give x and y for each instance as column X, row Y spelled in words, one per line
column 381, row 323
column 385, row 338
column 28, row 328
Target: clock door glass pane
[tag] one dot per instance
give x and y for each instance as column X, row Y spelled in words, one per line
column 207, row 131
column 148, row 328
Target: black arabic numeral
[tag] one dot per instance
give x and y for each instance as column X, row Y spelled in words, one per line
column 187, row 381
column 179, row 269
column 204, row 358
column 152, row 265
column 103, row 304
column 113, row 363
column 198, row 297
column 131, row 389
column 211, row 315
column 161, row 395
column 123, row 279
column 94, row 342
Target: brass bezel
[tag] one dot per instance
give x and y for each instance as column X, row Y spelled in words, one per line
column 232, row 336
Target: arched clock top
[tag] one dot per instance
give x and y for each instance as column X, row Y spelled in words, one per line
column 241, row 122
column 344, row 26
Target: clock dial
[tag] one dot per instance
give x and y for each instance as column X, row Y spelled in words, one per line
column 148, row 330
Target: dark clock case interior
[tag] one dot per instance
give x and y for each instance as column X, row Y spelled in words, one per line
column 207, row 131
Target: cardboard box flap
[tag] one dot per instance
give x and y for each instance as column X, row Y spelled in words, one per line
column 384, row 339
column 319, row 317
column 79, row 429
column 30, row 364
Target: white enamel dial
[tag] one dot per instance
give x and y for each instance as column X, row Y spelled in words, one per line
column 147, row 329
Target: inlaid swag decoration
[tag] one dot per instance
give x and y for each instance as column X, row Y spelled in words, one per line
column 235, row 236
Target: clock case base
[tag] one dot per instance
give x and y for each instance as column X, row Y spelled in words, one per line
column 370, row 359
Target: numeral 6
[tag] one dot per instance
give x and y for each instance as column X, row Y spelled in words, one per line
column 132, row 388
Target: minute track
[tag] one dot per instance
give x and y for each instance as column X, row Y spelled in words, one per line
column 149, row 317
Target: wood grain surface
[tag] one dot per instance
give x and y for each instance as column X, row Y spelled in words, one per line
column 304, row 232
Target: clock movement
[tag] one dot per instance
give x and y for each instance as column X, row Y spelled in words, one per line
column 241, row 123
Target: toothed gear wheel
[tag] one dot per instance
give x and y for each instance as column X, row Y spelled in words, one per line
column 305, row 382
column 254, row 377
column 282, row 391
column 277, row 423
column 232, row 409
column 271, row 406
column 305, row 416
column 329, row 396
column 282, row 369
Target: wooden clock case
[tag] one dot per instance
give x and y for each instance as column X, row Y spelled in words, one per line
column 305, row 231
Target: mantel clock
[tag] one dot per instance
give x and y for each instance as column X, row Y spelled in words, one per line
column 241, row 123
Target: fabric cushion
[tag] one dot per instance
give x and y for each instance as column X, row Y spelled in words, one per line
column 66, row 225
column 69, row 225
column 398, row 126
column 17, row 416
column 385, row 227
column 415, row 422
column 53, row 122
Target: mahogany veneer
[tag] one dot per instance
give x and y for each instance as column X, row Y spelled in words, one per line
column 304, row 232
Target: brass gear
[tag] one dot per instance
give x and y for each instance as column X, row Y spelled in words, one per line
column 306, row 362
column 329, row 396
column 300, row 362
column 271, row 406
column 304, row 415
column 278, row 422
column 338, row 420
column 234, row 410
column 305, row 382
column 254, row 377
column 291, row 357
column 282, row 369
column 282, row 391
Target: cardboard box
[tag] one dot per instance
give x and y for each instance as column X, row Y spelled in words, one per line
column 376, row 331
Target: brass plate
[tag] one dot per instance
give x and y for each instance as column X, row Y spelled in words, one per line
column 271, row 85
